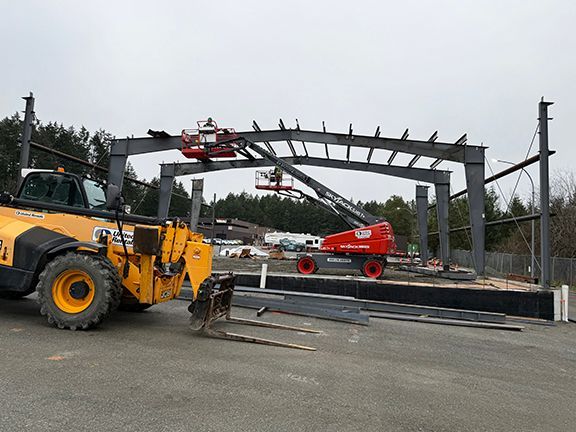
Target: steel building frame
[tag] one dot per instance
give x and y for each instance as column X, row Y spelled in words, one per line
column 471, row 156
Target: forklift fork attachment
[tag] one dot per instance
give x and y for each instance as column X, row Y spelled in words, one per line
column 251, row 339
column 219, row 304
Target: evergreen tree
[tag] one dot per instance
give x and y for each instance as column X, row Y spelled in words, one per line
column 10, row 131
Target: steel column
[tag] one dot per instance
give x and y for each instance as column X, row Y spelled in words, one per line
column 442, row 203
column 197, row 191
column 474, row 168
column 166, row 183
column 118, row 159
column 422, row 212
column 26, row 135
column 544, row 194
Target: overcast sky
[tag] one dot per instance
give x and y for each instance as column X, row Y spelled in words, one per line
column 454, row 66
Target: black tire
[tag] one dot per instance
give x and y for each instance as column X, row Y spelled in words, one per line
column 106, row 297
column 306, row 265
column 129, row 303
column 373, row 268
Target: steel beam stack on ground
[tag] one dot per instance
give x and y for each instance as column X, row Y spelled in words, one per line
column 357, row 311
column 323, row 311
column 350, row 310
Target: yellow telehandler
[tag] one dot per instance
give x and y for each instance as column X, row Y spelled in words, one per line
column 69, row 239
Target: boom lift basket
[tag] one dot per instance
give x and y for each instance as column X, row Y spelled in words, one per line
column 269, row 180
column 203, row 142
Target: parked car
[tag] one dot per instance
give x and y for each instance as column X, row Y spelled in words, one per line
column 288, row 245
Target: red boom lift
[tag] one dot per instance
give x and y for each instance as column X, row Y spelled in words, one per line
column 364, row 247
column 205, row 141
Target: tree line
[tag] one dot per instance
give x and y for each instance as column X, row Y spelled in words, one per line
column 303, row 217
column 284, row 213
column 91, row 147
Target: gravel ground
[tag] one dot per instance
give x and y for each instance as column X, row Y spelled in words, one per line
column 148, row 372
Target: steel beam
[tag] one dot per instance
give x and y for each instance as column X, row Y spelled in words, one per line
column 447, row 151
column 395, row 152
column 474, row 169
column 502, row 173
column 544, row 193
column 415, row 159
column 408, row 309
column 517, row 219
column 367, row 305
column 422, row 212
column 418, row 174
column 442, row 203
column 166, row 184
column 197, row 191
column 461, row 141
column 28, row 123
column 322, row 311
column 446, row 321
column 118, row 159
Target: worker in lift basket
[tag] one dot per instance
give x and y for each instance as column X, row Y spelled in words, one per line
column 208, row 131
column 278, row 175
column 209, row 123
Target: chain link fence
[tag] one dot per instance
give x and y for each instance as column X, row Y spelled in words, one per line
column 563, row 270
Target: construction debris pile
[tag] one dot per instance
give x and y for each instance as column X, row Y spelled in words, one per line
column 244, row 252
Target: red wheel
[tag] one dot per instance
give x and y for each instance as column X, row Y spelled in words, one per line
column 306, row 265
column 372, row 269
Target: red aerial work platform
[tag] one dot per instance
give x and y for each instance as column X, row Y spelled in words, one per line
column 203, row 142
column 274, row 180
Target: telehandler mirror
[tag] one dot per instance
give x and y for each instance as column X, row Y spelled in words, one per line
column 113, row 197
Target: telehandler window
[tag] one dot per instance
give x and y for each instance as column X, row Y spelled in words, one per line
column 52, row 188
column 95, row 194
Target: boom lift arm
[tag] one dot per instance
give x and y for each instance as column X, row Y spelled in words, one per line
column 301, row 195
column 351, row 213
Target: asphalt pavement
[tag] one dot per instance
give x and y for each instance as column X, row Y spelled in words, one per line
column 148, row 372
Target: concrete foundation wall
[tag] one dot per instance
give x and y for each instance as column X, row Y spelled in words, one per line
column 527, row 304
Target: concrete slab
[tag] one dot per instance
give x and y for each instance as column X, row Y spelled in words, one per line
column 146, row 372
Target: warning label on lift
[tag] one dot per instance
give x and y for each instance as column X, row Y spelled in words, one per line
column 363, row 234
column 339, row 260
column 128, row 235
